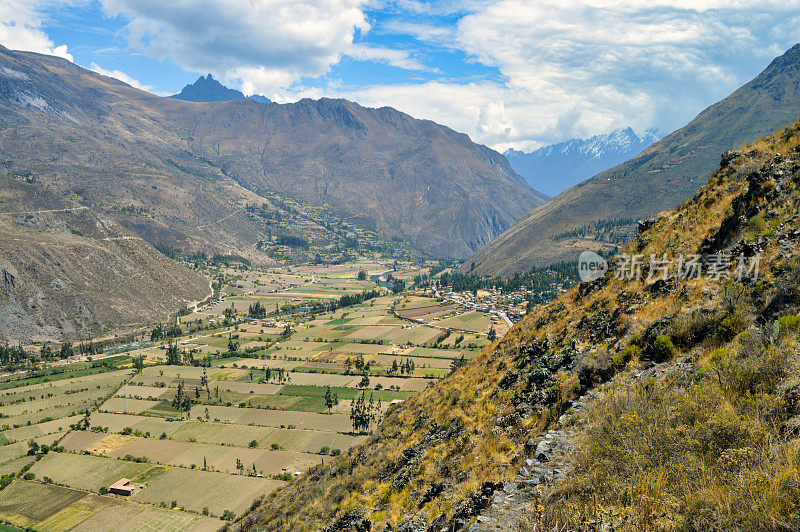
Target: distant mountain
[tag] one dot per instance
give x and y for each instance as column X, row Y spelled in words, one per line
column 664, row 175
column 207, row 89
column 554, row 168
column 219, row 176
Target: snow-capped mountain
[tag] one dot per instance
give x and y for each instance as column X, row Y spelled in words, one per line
column 553, row 169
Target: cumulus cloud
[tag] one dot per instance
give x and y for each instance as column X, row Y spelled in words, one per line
column 574, row 68
column 264, row 44
column 21, row 28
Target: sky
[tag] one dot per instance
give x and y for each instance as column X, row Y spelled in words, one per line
column 510, row 73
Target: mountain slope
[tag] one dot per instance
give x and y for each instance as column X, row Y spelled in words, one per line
column 665, row 174
column 189, row 175
column 555, row 168
column 691, row 389
column 207, row 89
column 66, row 272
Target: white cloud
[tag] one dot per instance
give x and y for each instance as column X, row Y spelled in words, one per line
column 264, row 44
column 611, row 63
column 21, row 28
column 125, row 78
column 574, row 68
column 390, row 56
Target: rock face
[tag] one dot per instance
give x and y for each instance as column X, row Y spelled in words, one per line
column 664, row 175
column 181, row 173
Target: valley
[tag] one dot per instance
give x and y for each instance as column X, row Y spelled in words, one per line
column 212, row 411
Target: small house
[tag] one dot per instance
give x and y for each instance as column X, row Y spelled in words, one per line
column 121, row 487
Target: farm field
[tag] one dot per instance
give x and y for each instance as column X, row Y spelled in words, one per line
column 244, row 406
column 47, row 507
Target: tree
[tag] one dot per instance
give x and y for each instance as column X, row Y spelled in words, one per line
column 173, row 356
column 457, row 363
column 257, row 310
column 181, row 402
column 232, row 346
column 331, row 399
column 362, row 275
column 66, row 350
column 364, row 381
column 363, row 413
column 33, row 447
column 394, row 366
column 45, row 353
column 492, row 335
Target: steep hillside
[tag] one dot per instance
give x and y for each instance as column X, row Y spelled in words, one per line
column 196, row 175
column 555, row 168
column 66, row 272
column 665, row 174
column 652, row 402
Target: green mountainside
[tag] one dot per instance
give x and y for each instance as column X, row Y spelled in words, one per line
column 665, row 174
column 649, row 403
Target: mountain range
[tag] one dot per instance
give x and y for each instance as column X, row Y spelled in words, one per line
column 207, row 89
column 601, row 212
column 215, row 176
column 555, row 168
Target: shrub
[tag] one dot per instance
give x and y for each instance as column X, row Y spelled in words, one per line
column 275, row 447
column 324, row 450
column 789, row 323
column 29, row 476
column 227, row 515
column 621, row 359
column 104, row 491
column 663, row 348
column 732, row 325
column 253, row 444
column 336, row 452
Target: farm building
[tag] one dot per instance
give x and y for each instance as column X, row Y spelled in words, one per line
column 121, row 487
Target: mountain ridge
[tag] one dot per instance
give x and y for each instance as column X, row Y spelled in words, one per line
column 380, row 169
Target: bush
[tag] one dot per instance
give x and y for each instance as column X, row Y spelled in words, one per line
column 663, row 348
column 621, row 359
column 104, row 491
column 324, row 450
column 275, row 447
column 227, row 515
column 253, row 444
column 789, row 323
column 29, row 476
column 732, row 325
column 336, row 452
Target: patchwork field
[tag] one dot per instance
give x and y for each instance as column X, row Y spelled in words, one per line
column 249, row 404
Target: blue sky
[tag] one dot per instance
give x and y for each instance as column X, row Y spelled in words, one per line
column 510, row 73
